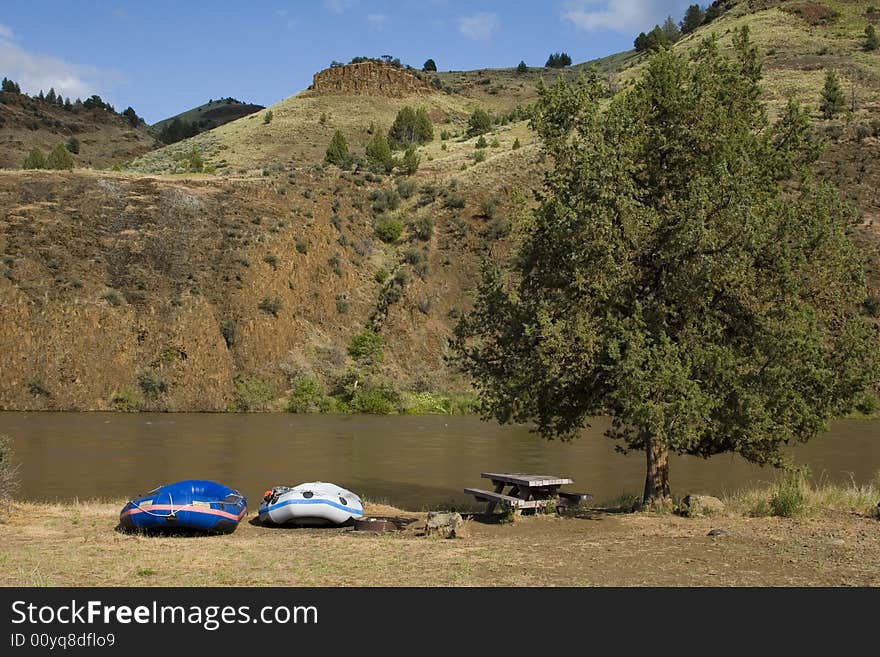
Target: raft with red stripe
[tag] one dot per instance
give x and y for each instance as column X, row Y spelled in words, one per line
column 193, row 506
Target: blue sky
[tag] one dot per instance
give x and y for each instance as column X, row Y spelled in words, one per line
column 163, row 56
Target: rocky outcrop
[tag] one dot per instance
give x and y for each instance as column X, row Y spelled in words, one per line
column 700, row 505
column 446, row 525
column 369, row 78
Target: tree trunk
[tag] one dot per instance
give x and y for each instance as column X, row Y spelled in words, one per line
column 657, row 495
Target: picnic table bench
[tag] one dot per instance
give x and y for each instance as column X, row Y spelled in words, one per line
column 526, row 491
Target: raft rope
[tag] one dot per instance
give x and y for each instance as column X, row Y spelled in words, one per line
column 173, row 512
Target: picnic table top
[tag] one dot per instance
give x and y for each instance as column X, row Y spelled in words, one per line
column 527, row 480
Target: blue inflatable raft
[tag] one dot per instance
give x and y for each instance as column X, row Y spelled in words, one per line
column 186, row 506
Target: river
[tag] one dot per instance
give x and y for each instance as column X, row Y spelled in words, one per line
column 412, row 462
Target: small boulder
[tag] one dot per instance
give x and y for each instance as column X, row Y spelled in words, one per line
column 717, row 532
column 447, row 525
column 700, row 505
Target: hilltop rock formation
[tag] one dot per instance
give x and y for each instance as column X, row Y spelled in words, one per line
column 369, row 78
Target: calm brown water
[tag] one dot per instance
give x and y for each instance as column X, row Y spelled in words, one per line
column 412, row 462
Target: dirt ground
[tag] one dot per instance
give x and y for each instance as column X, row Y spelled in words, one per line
column 76, row 545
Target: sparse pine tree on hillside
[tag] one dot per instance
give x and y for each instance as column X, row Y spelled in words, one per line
column 337, row 151
column 558, row 60
column 60, row 158
column 430, row 66
column 833, row 99
column 411, row 126
column 657, row 39
column 50, row 97
column 479, row 123
column 410, row 162
column 379, row 153
column 35, row 159
column 872, row 41
column 670, row 30
column 131, row 116
column 10, row 87
column 672, row 277
column 693, row 18
column 522, row 68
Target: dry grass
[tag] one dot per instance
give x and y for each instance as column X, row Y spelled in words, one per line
column 75, row 544
column 818, row 498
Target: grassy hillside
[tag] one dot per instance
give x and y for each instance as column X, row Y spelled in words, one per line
column 104, row 137
column 117, row 283
column 212, row 114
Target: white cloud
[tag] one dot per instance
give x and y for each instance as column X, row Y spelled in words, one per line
column 478, row 26
column 36, row 72
column 625, row 16
column 5, row 32
column 339, row 6
column 377, row 21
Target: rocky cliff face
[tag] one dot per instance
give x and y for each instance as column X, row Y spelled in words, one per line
column 369, row 78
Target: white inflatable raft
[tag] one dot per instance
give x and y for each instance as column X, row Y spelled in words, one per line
column 312, row 503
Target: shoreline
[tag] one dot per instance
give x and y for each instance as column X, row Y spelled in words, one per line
column 832, row 540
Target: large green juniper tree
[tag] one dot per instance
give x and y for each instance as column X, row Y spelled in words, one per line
column 684, row 274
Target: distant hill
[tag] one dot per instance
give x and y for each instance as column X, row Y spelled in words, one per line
column 104, row 137
column 205, row 117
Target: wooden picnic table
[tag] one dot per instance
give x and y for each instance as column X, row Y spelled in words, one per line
column 526, row 491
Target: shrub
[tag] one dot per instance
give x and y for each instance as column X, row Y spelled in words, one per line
column 37, row 388
column 488, row 207
column 152, row 384
column 272, row 261
column 302, row 246
column 308, row 397
column 72, row 145
column 422, row 228
column 126, row 400
column 252, row 394
column 481, row 142
column 479, row 123
column 788, row 497
column 444, row 136
column 9, row 481
column 410, row 162
column 267, row 117
column 381, row 276
column 342, row 304
column 112, row 297
column 498, row 228
column 270, row 306
column 35, row 160
column 872, row 41
column 479, row 156
column 868, row 404
column 516, row 144
column 430, row 66
column 388, row 229
column 384, row 200
column 454, row 202
column 380, row 399
column 406, row 188
column 366, row 347
column 833, row 100
column 522, row 68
